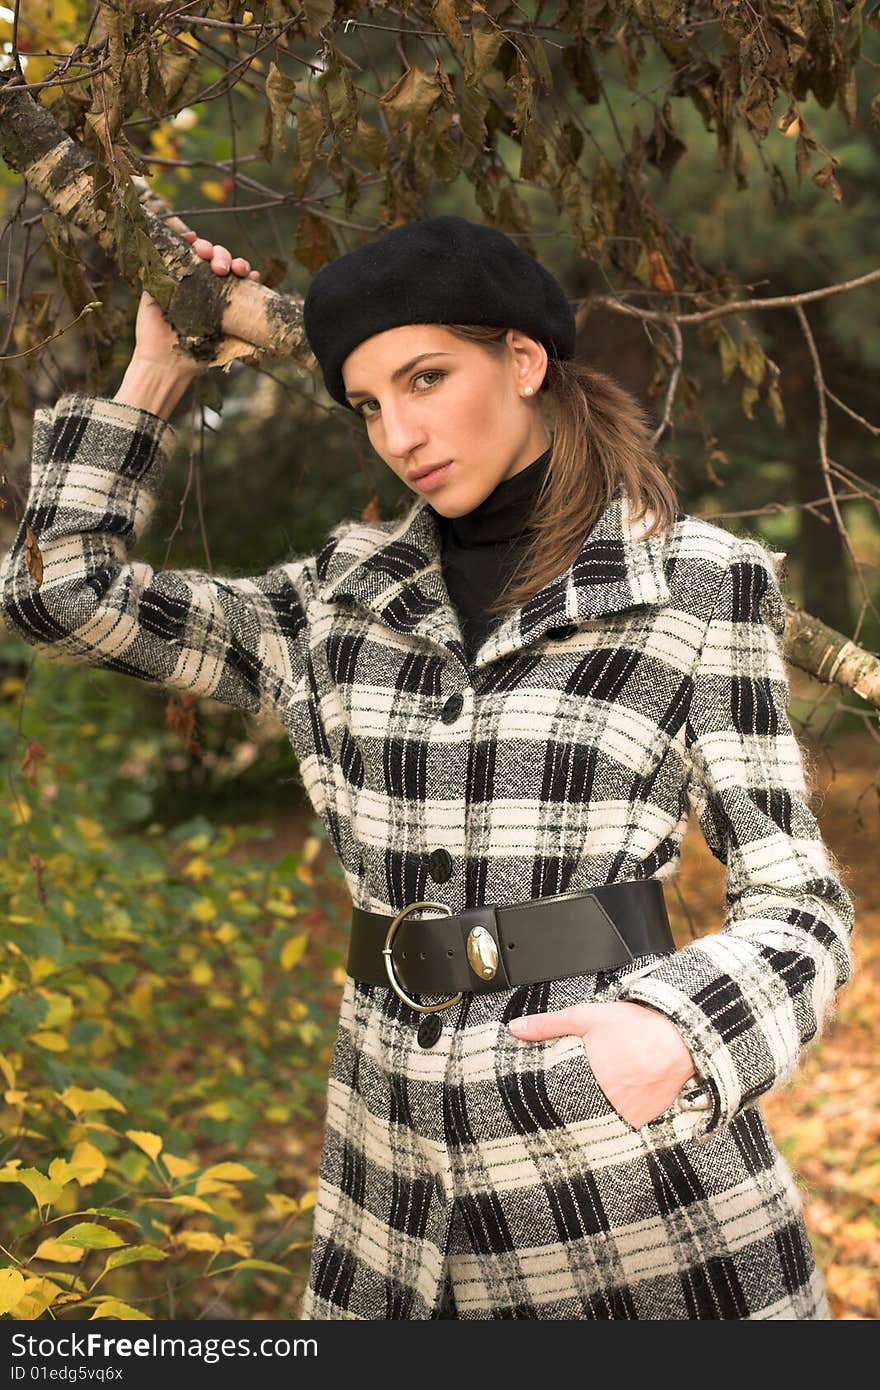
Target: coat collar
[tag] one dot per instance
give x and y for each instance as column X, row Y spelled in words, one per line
column 393, row 569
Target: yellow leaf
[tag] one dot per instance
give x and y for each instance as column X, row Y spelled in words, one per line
column 198, row 1240
column 150, row 1143
column 217, row 1110
column 132, row 1255
column 281, row 1204
column 236, row 1244
column 60, row 1172
column 229, row 1172
column 226, row 932
column 114, row 1309
column 308, row 1201
column 267, row 1265
column 14, row 1097
column 203, row 910
column 201, row 973
column 43, row 1292
column 41, row 1189
column 293, row 949
column 11, row 1290
column 80, row 1101
column 178, row 1167
column 90, row 1161
column 211, row 1187
column 91, row 1236
column 91, row 831
column 7, row 1069
column 41, row 967
column 188, row 1203
column 197, row 868
column 52, row 1042
column 279, row 908
column 311, row 849
column 213, row 189
column 59, row 1010
column 58, row 1252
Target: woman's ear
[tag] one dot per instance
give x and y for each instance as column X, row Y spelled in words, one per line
column 528, row 361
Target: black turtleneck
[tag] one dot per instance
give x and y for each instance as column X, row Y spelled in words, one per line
column 480, row 550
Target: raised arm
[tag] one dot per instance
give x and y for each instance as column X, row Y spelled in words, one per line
column 96, row 477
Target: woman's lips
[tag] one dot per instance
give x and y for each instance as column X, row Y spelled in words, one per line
column 432, row 479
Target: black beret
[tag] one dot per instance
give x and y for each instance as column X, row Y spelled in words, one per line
column 440, row 270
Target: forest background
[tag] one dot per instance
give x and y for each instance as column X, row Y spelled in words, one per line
column 175, row 921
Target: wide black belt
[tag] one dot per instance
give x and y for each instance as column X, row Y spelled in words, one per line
column 499, row 947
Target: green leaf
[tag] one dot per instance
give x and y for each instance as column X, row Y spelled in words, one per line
column 90, row 1236
column 752, row 361
column 133, row 1253
column 114, row 1214
column 729, row 354
column 256, row 1264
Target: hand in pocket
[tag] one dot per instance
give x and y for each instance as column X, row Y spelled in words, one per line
column 638, row 1057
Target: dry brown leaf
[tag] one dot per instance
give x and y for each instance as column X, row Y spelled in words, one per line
column 33, row 557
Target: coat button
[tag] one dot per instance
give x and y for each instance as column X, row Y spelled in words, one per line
column 430, row 1029
column 452, row 709
column 440, row 865
column 562, row 634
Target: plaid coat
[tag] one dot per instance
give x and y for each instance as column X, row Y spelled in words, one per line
column 644, row 682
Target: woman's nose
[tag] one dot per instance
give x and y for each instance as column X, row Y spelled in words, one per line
column 403, row 431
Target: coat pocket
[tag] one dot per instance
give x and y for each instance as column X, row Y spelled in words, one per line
column 678, row 1121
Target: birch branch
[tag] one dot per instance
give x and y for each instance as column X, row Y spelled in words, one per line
column 203, row 308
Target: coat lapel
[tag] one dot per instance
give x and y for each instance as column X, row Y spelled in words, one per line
column 393, row 569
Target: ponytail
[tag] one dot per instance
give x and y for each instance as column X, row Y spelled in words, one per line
column 601, row 442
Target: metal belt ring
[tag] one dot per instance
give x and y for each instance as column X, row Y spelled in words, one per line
column 389, row 963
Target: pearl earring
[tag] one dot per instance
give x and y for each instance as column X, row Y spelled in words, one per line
column 529, row 391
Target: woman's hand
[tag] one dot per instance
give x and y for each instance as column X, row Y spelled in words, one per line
column 156, row 342
column 639, row 1059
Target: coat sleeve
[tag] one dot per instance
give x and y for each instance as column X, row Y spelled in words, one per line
column 747, row 998
column 96, row 476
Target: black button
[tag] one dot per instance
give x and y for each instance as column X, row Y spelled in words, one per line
column 562, row 634
column 452, row 709
column 430, row 1029
column 440, row 865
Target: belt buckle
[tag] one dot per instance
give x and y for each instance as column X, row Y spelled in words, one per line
column 389, row 964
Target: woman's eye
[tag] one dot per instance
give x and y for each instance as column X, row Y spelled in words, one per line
column 433, row 372
column 367, row 409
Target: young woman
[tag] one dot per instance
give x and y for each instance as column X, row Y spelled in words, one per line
column 504, row 703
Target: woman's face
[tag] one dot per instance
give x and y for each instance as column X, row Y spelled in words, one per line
column 434, row 401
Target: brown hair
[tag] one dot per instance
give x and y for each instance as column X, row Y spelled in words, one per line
column 602, row 440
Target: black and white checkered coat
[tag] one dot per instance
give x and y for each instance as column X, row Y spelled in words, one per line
column 644, row 682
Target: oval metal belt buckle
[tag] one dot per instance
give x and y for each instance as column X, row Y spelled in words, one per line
column 389, row 964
